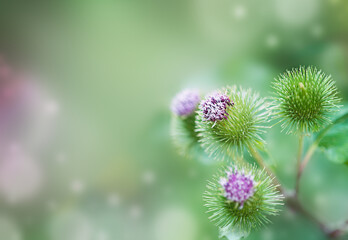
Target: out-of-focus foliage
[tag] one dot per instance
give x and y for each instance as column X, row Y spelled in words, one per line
column 335, row 141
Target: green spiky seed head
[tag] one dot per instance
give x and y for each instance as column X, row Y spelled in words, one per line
column 304, row 100
column 238, row 123
column 241, row 197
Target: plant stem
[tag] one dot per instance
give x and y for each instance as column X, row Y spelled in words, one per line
column 299, row 156
column 295, row 205
column 314, row 146
column 261, row 163
column 293, row 201
column 307, row 158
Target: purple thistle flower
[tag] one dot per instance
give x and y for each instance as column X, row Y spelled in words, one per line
column 185, row 102
column 214, row 107
column 238, row 187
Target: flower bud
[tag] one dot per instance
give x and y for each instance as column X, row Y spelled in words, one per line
column 185, row 102
column 214, row 107
column 304, row 100
column 185, row 139
column 241, row 197
column 231, row 120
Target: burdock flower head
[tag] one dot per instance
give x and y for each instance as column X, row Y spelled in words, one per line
column 214, row 107
column 241, row 197
column 184, row 106
column 238, row 187
column 185, row 102
column 304, row 99
column 231, row 120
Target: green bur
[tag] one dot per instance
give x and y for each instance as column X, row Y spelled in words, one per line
column 246, row 122
column 304, row 100
column 228, row 216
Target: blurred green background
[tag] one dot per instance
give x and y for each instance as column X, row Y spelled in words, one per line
column 89, row 155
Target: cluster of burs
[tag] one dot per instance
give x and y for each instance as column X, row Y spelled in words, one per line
column 229, row 123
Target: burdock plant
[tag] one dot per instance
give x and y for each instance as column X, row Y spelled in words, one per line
column 184, row 107
column 239, row 199
column 304, row 100
column 231, row 122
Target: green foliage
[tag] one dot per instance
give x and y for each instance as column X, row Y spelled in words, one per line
column 333, row 139
column 245, row 124
column 304, row 100
column 229, row 216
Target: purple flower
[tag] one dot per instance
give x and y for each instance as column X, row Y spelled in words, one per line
column 214, row 107
column 185, row 102
column 238, row 187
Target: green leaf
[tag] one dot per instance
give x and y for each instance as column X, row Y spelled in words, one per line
column 333, row 140
column 232, row 233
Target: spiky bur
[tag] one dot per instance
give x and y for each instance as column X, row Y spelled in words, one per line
column 241, row 197
column 184, row 106
column 304, row 100
column 244, row 119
